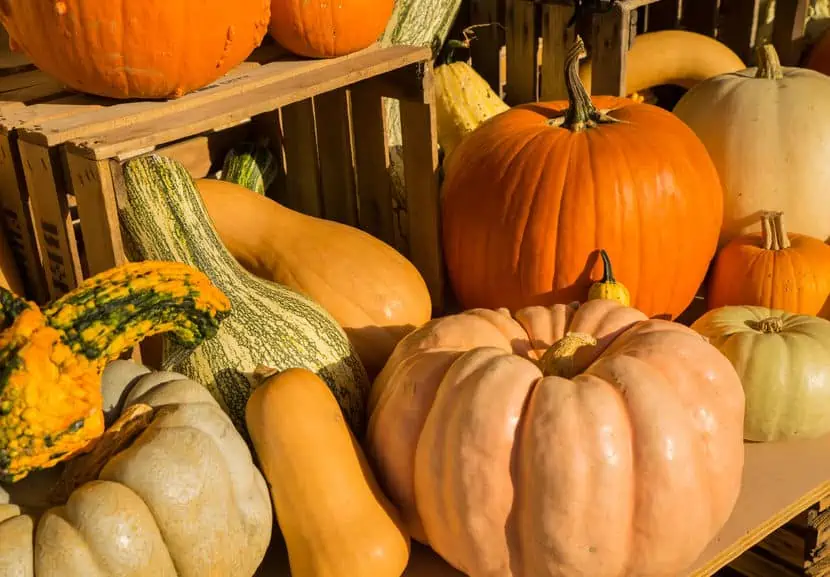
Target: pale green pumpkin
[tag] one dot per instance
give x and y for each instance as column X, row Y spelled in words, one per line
column 783, row 360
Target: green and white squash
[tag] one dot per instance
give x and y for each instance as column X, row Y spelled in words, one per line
column 251, row 165
column 413, row 23
column 163, row 218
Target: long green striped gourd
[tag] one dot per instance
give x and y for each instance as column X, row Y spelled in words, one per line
column 413, row 23
column 250, row 165
column 270, row 325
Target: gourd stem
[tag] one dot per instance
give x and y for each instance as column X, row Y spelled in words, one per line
column 607, row 270
column 559, row 359
column 774, row 235
column 770, row 325
column 581, row 112
column 769, row 66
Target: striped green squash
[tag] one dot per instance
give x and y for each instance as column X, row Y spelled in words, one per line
column 164, row 218
column 413, row 23
column 250, row 165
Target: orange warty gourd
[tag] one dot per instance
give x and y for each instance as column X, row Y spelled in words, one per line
column 563, row 441
column 773, row 269
column 323, row 29
column 136, row 48
column 531, row 196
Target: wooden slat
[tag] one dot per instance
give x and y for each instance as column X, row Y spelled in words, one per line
column 611, row 39
column 787, row 545
column 420, row 156
column 522, row 56
column 557, row 39
column 700, row 16
column 788, row 30
column 92, row 184
column 269, row 97
column 486, row 47
column 371, row 157
column 43, row 171
column 738, row 26
column 302, row 169
column 201, row 154
column 334, row 146
column 63, row 106
column 754, row 564
column 663, row 15
column 17, row 220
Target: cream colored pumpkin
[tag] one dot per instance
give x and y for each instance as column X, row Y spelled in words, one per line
column 783, row 360
column 183, row 500
column 768, row 134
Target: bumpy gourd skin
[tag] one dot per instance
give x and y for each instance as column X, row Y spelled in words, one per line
column 51, row 360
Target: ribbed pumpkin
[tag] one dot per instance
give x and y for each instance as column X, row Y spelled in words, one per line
column 326, row 29
column 773, row 269
column 136, row 49
column 765, row 133
column 170, row 490
column 532, row 195
column 560, row 442
column 783, row 360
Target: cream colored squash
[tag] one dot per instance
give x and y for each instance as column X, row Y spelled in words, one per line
column 183, row 500
column 768, row 134
column 783, row 360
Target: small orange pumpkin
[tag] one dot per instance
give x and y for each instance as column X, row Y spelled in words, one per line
column 328, row 29
column 773, row 269
column 533, row 193
column 135, row 48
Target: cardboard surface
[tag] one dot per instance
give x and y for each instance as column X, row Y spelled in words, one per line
column 780, row 481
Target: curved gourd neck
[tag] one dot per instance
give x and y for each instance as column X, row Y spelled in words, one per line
column 166, row 219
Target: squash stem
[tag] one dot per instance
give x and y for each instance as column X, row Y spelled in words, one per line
column 770, row 325
column 560, row 359
column 774, row 235
column 581, row 112
column 607, row 270
column 769, row 66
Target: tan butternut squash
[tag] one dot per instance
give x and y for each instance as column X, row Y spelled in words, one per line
column 330, row 509
column 369, row 288
column 672, row 57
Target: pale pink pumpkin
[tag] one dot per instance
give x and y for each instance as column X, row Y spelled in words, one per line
column 621, row 457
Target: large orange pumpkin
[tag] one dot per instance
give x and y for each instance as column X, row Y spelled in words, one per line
column 136, row 48
column 773, row 269
column 325, row 28
column 531, row 195
column 562, row 442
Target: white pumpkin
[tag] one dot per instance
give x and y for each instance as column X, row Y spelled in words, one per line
column 768, row 135
column 184, row 499
column 783, row 361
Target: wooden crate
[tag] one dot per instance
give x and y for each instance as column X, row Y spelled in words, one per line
column 322, row 117
column 801, row 548
column 522, row 54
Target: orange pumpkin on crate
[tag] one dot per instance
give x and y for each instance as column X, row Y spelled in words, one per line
column 327, row 29
column 773, row 269
column 136, row 48
column 532, row 194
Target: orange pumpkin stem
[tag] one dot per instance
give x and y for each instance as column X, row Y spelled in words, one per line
column 560, row 359
column 581, row 112
column 770, row 325
column 769, row 66
column 773, row 233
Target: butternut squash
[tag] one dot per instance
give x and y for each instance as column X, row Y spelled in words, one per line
column 369, row 288
column 672, row 57
column 330, row 509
